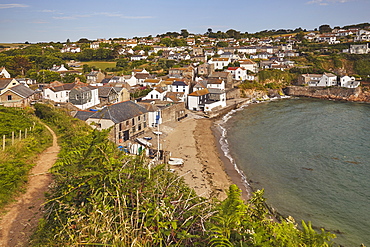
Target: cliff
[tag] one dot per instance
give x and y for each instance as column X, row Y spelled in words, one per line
column 336, row 93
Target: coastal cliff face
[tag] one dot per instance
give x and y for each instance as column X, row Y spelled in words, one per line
column 336, row 93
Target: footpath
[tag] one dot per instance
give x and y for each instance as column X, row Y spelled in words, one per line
column 22, row 216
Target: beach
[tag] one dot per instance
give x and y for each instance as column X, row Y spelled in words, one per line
column 195, row 140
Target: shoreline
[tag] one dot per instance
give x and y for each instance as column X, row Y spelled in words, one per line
column 206, row 168
column 229, row 167
column 192, row 140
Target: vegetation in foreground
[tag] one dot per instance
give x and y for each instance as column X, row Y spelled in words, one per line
column 104, row 197
column 17, row 159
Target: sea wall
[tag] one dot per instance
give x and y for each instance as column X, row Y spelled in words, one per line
column 336, row 93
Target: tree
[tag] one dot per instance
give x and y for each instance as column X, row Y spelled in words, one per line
column 20, row 65
column 70, row 78
column 83, row 40
column 184, row 33
column 233, row 34
column 47, row 76
column 222, row 44
column 299, row 36
column 325, row 29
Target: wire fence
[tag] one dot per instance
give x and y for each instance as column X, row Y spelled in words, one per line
column 16, row 136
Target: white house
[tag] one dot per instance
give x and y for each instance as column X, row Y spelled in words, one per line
column 219, row 63
column 151, row 82
column 238, row 73
column 156, row 94
column 329, row 38
column 84, row 96
column 58, row 92
column 248, row 50
column 70, row 48
column 4, row 73
column 216, row 83
column 179, row 86
column 327, row 80
column 138, row 57
column 349, row 82
column 249, row 65
column 318, row 80
column 60, row 68
column 217, row 98
column 197, row 99
column 206, row 99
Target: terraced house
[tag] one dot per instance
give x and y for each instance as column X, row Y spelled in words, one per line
column 126, row 119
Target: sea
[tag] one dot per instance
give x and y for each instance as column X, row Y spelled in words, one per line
column 311, row 157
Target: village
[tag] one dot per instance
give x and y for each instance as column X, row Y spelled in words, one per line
column 206, row 85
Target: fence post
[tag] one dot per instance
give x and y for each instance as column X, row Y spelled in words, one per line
column 20, row 135
column 3, row 142
column 25, row 133
column 12, row 138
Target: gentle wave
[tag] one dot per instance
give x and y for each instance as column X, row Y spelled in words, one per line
column 225, row 144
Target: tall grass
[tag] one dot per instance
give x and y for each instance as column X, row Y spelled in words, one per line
column 16, row 160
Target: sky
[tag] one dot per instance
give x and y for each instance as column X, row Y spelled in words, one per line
column 48, row 20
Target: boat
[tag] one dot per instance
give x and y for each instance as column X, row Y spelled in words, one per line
column 143, row 142
column 147, row 137
column 176, row 161
column 157, row 132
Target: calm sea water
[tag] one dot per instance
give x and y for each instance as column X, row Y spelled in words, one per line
column 312, row 157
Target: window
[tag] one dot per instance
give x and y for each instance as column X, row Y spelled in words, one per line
column 127, row 123
column 133, row 121
column 138, row 118
column 9, row 97
column 133, row 129
column 139, row 127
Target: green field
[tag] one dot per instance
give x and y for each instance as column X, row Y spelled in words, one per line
column 100, row 65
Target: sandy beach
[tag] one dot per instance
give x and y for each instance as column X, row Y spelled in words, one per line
column 193, row 140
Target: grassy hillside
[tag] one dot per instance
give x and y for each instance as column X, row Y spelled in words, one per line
column 103, row 197
column 101, row 65
column 16, row 160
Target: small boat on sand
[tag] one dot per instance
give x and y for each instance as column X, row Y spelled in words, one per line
column 157, row 132
column 176, row 161
column 143, row 142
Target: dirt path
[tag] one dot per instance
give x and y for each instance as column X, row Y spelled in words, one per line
column 17, row 225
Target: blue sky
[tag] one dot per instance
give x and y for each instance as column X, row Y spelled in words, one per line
column 49, row 20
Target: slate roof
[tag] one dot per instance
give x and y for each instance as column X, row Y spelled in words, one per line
column 84, row 115
column 22, row 91
column 179, row 83
column 104, row 91
column 120, row 112
column 4, row 82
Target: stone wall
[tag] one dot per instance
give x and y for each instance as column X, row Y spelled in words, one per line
column 174, row 112
column 337, row 93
